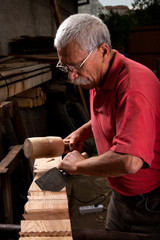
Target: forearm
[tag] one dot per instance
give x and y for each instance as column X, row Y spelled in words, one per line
column 85, row 131
column 109, row 164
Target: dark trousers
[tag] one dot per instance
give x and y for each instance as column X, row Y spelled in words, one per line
column 137, row 214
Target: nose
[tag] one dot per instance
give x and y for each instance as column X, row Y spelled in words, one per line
column 72, row 75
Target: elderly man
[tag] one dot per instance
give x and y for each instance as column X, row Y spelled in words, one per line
column 125, row 123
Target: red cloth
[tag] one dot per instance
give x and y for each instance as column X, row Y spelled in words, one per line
column 125, row 117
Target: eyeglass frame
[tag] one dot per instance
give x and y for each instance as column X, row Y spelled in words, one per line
column 73, row 68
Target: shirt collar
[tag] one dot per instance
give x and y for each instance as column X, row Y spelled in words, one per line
column 114, row 70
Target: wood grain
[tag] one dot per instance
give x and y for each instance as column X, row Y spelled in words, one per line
column 46, row 214
column 59, row 226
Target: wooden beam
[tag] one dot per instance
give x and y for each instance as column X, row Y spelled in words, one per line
column 18, row 123
column 17, row 87
column 56, row 12
column 46, row 58
column 22, row 70
column 46, row 213
column 11, row 157
column 6, row 110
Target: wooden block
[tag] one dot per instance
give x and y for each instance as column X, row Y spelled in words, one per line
column 45, row 165
column 57, row 226
column 46, row 216
column 25, row 102
column 30, row 93
column 45, row 206
column 46, row 213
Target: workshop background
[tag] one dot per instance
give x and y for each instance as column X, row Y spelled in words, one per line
column 36, row 99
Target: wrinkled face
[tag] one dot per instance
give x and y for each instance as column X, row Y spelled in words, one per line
column 84, row 68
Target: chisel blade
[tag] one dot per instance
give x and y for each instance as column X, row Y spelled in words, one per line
column 53, row 180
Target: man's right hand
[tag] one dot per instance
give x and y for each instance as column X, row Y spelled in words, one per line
column 73, row 142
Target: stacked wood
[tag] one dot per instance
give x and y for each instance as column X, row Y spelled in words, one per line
column 18, row 75
column 33, row 97
column 46, row 214
column 31, row 45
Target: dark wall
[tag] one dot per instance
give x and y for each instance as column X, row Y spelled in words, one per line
column 144, row 46
column 30, row 18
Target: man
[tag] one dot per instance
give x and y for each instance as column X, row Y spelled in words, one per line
column 125, row 123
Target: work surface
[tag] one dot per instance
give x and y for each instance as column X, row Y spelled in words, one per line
column 45, row 213
column 50, row 215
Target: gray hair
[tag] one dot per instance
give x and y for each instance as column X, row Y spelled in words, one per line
column 88, row 30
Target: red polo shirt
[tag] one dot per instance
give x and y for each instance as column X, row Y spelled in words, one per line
column 125, row 117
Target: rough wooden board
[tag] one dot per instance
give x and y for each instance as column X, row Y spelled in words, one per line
column 5, row 59
column 31, row 93
column 10, row 157
column 45, row 238
column 24, row 69
column 6, row 110
column 31, row 102
column 52, row 57
column 45, row 226
column 12, row 79
column 13, row 65
column 24, row 84
column 46, row 216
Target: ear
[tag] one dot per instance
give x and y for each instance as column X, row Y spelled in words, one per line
column 104, row 49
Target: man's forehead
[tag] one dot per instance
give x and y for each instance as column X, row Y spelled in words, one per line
column 70, row 53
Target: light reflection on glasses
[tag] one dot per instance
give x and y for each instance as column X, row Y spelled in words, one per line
column 73, row 68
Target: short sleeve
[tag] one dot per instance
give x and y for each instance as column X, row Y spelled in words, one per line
column 135, row 126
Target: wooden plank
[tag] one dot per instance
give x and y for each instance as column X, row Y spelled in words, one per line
column 6, row 110
column 15, row 78
column 13, row 65
column 30, row 93
column 46, row 164
column 31, row 102
column 49, row 57
column 56, row 196
column 45, row 238
column 11, row 157
column 5, row 59
column 6, row 192
column 24, row 69
column 15, row 88
column 45, row 206
column 18, row 124
column 46, row 213
column 46, row 216
column 61, row 226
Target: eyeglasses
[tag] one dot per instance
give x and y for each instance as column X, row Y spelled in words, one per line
column 72, row 68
